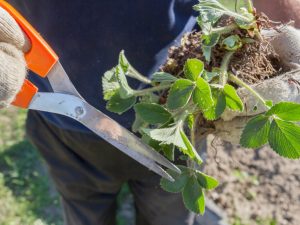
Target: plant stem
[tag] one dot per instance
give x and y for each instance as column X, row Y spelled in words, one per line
column 241, row 83
column 133, row 73
column 224, row 30
column 224, row 67
column 250, row 6
column 153, row 89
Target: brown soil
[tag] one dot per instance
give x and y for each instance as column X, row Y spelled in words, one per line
column 257, row 186
column 253, row 63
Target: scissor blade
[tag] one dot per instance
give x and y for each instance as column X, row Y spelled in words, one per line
column 104, row 127
column 60, row 82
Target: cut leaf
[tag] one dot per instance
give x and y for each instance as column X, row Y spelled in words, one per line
column 219, row 106
column 168, row 136
column 233, row 101
column 179, row 183
column 110, row 84
column 152, row 113
column 125, row 90
column 284, row 138
column 118, row 105
column 189, row 149
column 232, row 43
column 180, row 94
column 163, row 77
column 123, row 62
column 256, row 132
column 205, row 181
column 289, row 111
column 193, row 69
column 202, row 95
column 193, row 196
column 208, row 76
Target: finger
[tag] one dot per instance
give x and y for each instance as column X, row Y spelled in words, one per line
column 11, row 33
column 12, row 73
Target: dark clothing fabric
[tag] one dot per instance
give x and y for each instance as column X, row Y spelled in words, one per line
column 88, row 173
column 89, row 34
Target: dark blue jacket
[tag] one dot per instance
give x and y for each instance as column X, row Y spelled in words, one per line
column 89, row 34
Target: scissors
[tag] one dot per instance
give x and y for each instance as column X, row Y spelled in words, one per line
column 65, row 100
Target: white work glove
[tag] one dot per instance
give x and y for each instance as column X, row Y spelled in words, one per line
column 13, row 45
column 280, row 88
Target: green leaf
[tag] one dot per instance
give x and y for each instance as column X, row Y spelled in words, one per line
column 289, row 111
column 189, row 149
column 208, row 42
column 215, row 7
column 207, row 52
column 190, row 121
column 209, row 76
column 119, row 105
column 193, row 196
column 123, row 62
column 193, row 69
column 163, row 77
column 233, row 101
column 284, row 138
column 219, row 106
column 246, row 24
column 179, row 183
column 169, row 151
column 152, row 113
column 202, row 95
column 138, row 123
column 110, row 84
column 125, row 90
column 180, row 94
column 205, row 181
column 232, row 43
column 256, row 132
column 269, row 103
column 207, row 19
column 168, row 136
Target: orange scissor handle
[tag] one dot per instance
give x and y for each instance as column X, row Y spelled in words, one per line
column 40, row 58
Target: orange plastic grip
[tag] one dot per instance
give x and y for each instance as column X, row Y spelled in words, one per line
column 26, row 94
column 40, row 58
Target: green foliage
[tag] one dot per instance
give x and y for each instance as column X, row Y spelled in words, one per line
column 289, row 111
column 232, row 99
column 119, row 105
column 284, row 138
column 180, row 94
column 218, row 107
column 232, row 43
column 202, row 96
column 168, row 110
column 193, row 196
column 179, row 183
column 152, row 113
column 193, row 69
column 256, row 132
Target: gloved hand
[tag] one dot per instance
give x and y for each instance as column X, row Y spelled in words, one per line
column 281, row 88
column 13, row 45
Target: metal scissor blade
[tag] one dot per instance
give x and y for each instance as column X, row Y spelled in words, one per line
column 105, row 127
column 60, row 82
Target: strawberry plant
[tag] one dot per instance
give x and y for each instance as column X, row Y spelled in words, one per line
column 168, row 111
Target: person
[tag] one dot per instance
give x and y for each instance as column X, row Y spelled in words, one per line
column 88, row 36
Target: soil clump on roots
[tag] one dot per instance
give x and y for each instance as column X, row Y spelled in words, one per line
column 253, row 63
